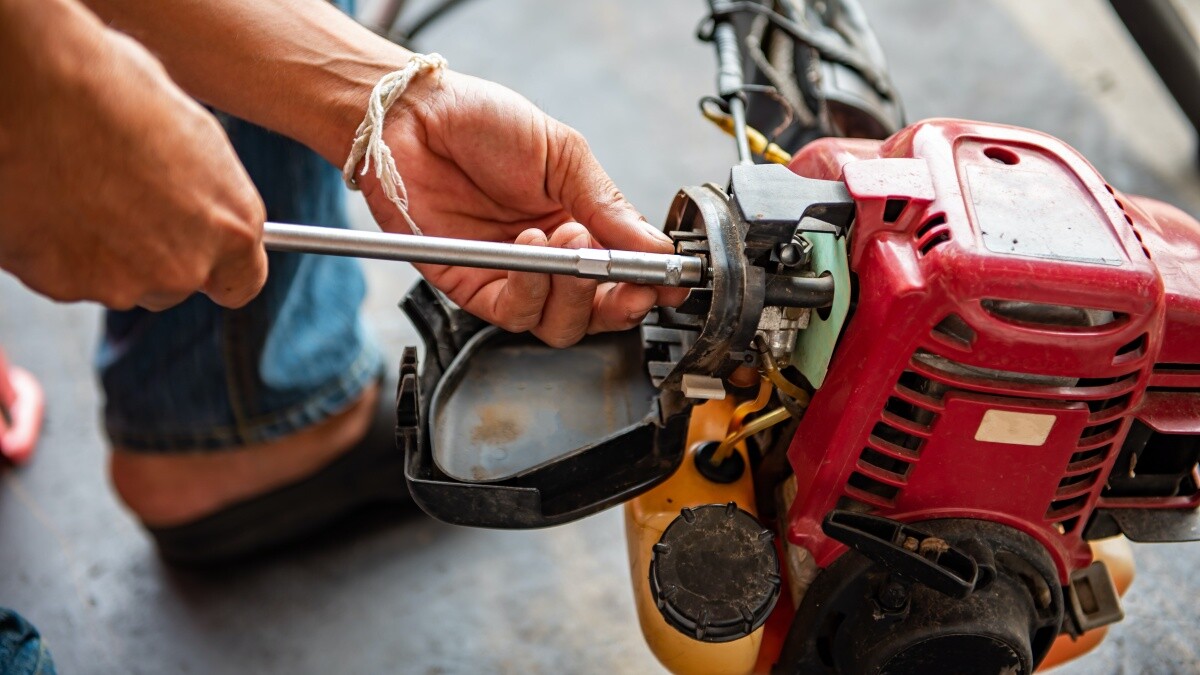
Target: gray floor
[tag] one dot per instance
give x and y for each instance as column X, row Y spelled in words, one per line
column 399, row 593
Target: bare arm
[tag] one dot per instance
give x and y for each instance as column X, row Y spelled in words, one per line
column 117, row 187
column 299, row 67
column 480, row 161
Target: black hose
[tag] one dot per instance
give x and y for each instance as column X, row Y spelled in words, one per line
column 433, row 14
column 799, row 291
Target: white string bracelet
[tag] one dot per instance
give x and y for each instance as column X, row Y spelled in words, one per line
column 368, row 143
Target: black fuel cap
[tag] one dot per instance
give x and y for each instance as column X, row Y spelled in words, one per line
column 715, row 574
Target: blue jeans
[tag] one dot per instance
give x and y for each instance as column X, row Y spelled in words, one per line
column 199, row 376
column 22, row 651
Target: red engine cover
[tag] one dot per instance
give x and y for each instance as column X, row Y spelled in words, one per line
column 943, row 399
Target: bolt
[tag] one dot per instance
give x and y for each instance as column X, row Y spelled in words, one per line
column 893, row 596
column 789, row 254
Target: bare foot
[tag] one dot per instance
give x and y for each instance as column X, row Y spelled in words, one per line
column 172, row 489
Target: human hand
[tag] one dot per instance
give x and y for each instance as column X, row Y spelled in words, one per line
column 481, row 162
column 115, row 185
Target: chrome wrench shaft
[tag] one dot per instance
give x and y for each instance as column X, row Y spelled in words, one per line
column 655, row 269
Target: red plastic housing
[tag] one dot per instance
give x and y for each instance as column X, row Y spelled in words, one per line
column 941, row 402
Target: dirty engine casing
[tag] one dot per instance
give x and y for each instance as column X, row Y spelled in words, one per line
column 1019, row 375
column 983, row 358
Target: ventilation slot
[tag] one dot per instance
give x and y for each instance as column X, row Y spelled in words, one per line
column 928, row 226
column 878, row 460
column 1082, row 475
column 887, row 433
column 932, row 233
column 1175, row 377
column 871, row 490
column 1052, row 316
column 1131, row 350
column 1077, row 484
column 850, row 504
column 941, row 237
column 1099, row 433
column 1061, row 509
column 1088, row 459
column 1177, row 368
column 909, row 411
column 892, row 209
column 895, row 442
column 954, row 330
column 948, row 372
column 1108, row 408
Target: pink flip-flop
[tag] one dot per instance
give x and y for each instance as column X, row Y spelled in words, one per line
column 21, row 406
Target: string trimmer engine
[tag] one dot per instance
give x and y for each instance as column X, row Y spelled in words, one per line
column 1018, row 375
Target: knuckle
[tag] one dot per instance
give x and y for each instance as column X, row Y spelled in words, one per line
column 518, row 322
column 184, row 276
column 121, row 299
column 560, row 340
column 512, row 324
column 234, row 296
column 573, row 139
column 572, row 147
column 609, row 196
column 236, row 301
column 241, row 234
column 568, row 234
column 521, row 320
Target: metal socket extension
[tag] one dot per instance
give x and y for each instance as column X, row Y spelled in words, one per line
column 654, row 269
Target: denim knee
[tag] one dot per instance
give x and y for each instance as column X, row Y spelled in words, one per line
column 22, row 650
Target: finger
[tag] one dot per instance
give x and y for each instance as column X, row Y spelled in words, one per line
column 236, row 280
column 157, row 302
column 620, row 307
column 576, row 180
column 568, row 310
column 516, row 302
column 671, row 296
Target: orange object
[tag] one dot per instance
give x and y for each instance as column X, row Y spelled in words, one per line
column 21, row 407
column 1117, row 555
column 645, row 519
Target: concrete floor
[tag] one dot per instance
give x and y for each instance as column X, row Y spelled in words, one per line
column 400, row 593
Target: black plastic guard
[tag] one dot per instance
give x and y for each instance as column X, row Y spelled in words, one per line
column 582, row 483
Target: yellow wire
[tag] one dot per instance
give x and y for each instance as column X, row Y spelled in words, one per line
column 758, row 142
column 739, row 416
column 759, row 424
column 782, row 383
column 737, row 433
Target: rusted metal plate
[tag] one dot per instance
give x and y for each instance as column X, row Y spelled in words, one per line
column 509, row 404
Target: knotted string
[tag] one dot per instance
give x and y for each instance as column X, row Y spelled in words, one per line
column 369, row 145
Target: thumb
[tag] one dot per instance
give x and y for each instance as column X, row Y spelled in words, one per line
column 576, row 180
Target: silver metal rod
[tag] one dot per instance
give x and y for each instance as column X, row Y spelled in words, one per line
column 653, row 269
column 730, row 80
column 737, row 112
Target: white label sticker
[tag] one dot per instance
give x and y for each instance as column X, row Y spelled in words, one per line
column 1015, row 428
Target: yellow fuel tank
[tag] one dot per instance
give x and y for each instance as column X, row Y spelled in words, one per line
column 645, row 519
